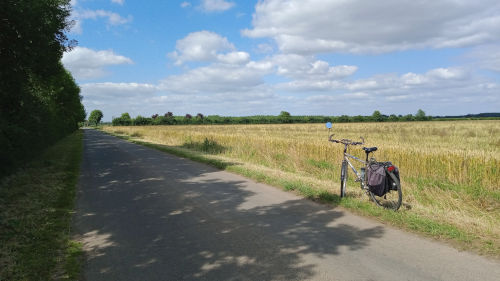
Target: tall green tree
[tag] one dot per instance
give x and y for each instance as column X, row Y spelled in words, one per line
column 420, row 116
column 377, row 116
column 39, row 100
column 284, row 117
column 123, row 120
column 95, row 117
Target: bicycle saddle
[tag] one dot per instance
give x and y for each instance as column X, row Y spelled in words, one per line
column 370, row 149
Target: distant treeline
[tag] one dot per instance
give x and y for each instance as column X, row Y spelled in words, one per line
column 472, row 116
column 39, row 101
column 284, row 117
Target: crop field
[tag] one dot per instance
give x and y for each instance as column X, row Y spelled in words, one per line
column 450, row 170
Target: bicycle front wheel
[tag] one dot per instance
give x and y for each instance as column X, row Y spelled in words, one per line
column 343, row 179
column 392, row 199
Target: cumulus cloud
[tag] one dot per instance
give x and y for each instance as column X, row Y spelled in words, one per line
column 207, row 46
column 217, row 78
column 216, row 5
column 113, row 18
column 438, row 78
column 79, row 16
column 85, row 63
column 234, row 57
column 312, row 26
column 120, row 2
column 403, row 94
column 447, row 73
column 307, row 68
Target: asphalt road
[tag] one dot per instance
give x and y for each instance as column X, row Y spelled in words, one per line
column 146, row 215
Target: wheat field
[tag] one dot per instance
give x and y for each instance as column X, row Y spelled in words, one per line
column 450, row 170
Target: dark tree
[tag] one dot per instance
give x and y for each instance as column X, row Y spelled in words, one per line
column 40, row 101
column 123, row 120
column 393, row 118
column 284, row 117
column 408, row 117
column 343, row 119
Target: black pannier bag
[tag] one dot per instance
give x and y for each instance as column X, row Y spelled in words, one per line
column 377, row 178
column 391, row 185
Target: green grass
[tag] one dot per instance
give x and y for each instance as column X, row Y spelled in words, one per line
column 474, row 191
column 36, row 206
column 182, row 152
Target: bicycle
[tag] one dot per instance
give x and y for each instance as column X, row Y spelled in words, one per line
column 392, row 198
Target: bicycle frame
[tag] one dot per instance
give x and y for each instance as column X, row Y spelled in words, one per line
column 346, row 158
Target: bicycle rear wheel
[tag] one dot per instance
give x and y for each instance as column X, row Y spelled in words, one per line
column 343, row 179
column 392, row 199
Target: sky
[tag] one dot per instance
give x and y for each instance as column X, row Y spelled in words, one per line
column 307, row 57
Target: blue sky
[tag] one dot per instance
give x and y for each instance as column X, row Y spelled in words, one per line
column 308, row 57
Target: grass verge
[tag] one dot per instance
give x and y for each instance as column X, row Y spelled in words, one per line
column 36, row 206
column 462, row 238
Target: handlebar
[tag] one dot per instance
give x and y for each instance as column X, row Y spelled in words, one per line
column 346, row 141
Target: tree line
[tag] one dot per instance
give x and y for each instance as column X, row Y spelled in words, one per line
column 284, row 117
column 39, row 100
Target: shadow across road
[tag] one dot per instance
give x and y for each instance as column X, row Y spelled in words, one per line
column 147, row 215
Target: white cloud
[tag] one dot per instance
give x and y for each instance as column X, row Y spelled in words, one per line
column 206, row 46
column 146, row 99
column 216, row 78
column 433, row 79
column 114, row 19
column 413, row 79
column 120, row 2
column 116, row 98
column 85, row 63
column 264, row 48
column 486, row 57
column 307, row 68
column 392, row 94
column 447, row 73
column 216, row 5
column 185, row 4
column 263, row 66
column 234, row 57
column 113, row 91
column 312, row 26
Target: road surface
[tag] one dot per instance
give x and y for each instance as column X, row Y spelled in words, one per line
column 146, row 215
